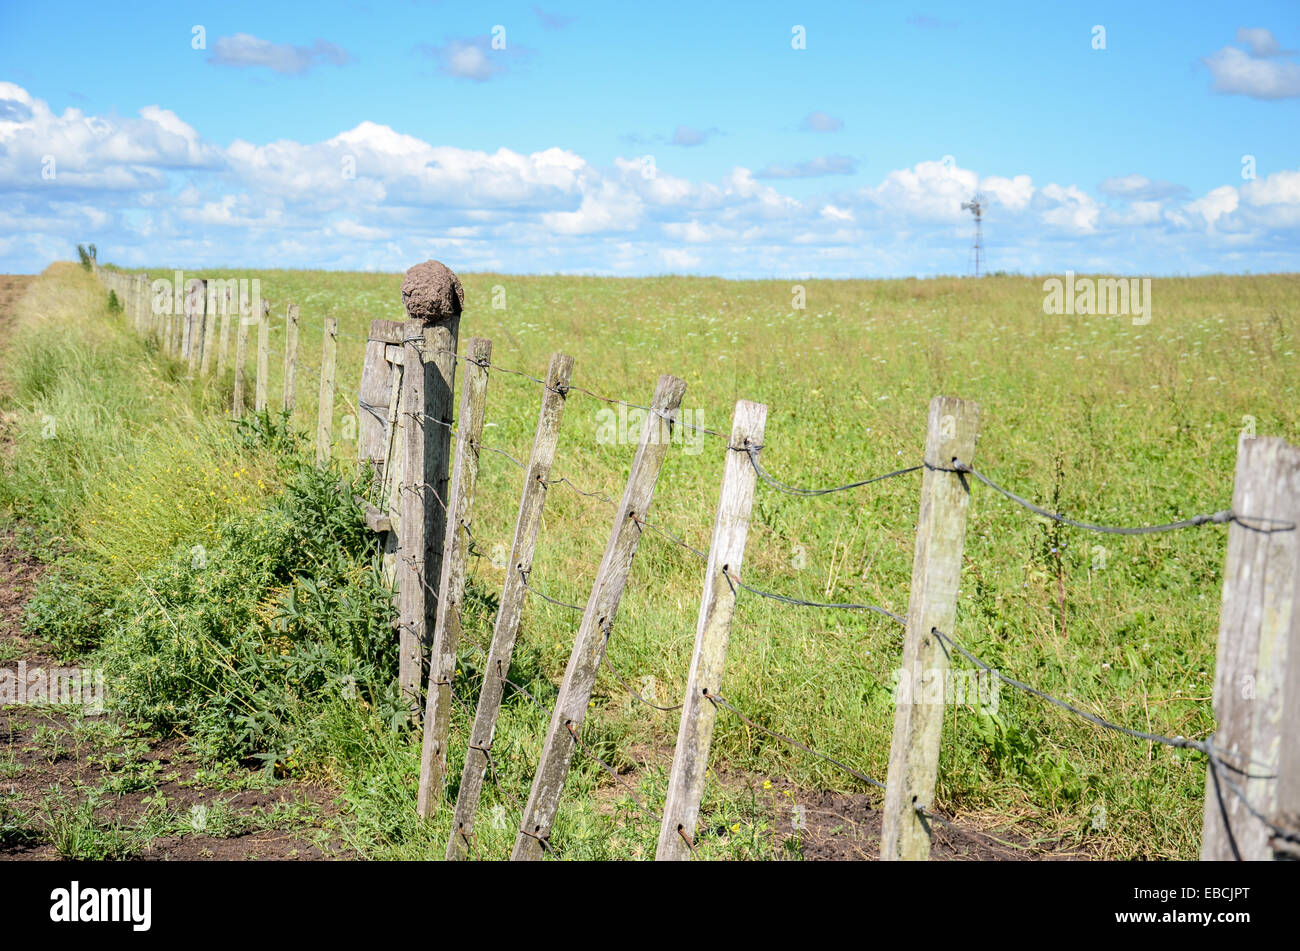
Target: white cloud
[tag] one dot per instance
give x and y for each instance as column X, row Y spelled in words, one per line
column 473, row 57
column 1255, row 73
column 1261, row 42
column 821, row 122
column 1215, row 204
column 246, row 50
column 150, row 189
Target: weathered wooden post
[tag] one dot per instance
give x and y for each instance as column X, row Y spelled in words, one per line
column 597, row 623
column 936, row 572
column 290, row 356
column 712, row 630
column 209, row 332
column 451, row 585
column 263, row 358
column 325, row 409
column 241, row 359
column 513, row 591
column 223, row 346
column 433, row 298
column 1257, row 672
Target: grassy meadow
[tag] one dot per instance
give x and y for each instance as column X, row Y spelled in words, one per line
column 1093, row 416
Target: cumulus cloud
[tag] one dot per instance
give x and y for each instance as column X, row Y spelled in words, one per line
column 1261, row 42
column 823, row 165
column 821, row 122
column 1259, row 71
column 149, row 188
column 473, row 57
column 246, row 50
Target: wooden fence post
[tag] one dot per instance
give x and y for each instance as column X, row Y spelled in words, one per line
column 263, row 358
column 137, row 311
column 223, row 346
column 325, row 410
column 506, row 629
column 193, row 323
column 1259, row 651
column 241, row 360
column 432, row 295
column 290, row 356
column 597, row 623
column 712, row 630
column 451, row 584
column 209, row 332
column 932, row 605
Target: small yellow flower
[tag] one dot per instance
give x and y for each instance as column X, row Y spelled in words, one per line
column 767, row 784
column 736, row 827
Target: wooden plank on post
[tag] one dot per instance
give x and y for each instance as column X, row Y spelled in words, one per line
column 506, row 629
column 325, row 409
column 712, row 631
column 1258, row 642
column 932, row 605
column 455, row 565
column 290, row 356
column 187, row 325
column 597, row 623
column 377, row 383
column 263, row 358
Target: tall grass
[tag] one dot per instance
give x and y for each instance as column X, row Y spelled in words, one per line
column 1109, row 421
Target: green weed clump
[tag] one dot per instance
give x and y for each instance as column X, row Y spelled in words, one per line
column 238, row 645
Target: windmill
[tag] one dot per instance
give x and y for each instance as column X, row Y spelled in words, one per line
column 976, row 207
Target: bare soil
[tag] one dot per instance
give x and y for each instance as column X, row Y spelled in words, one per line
column 41, row 754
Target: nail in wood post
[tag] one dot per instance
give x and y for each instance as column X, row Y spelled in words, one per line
column 936, row 572
column 241, row 359
column 712, row 630
column 325, row 409
column 451, row 586
column 597, row 623
column 263, row 357
column 506, row 630
column 290, row 356
column 209, row 331
column 1259, row 644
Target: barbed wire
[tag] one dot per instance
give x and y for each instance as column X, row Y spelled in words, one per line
column 752, row 452
column 1213, row 518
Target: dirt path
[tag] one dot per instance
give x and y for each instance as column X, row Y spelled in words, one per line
column 86, row 786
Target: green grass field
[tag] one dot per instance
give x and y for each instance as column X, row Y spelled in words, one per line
column 1093, row 416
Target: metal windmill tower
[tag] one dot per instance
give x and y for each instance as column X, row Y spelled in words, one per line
column 976, row 207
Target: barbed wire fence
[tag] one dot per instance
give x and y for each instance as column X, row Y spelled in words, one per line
column 1251, row 822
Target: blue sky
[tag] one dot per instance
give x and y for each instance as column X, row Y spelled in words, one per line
column 643, row 139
